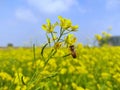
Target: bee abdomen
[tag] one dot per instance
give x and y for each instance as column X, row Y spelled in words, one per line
column 73, row 53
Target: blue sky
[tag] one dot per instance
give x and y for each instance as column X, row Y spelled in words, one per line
column 21, row 20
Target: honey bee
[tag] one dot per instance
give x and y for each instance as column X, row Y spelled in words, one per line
column 72, row 49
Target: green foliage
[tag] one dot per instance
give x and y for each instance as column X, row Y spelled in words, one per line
column 10, row 45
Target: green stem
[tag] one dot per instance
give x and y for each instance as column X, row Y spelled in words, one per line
column 34, row 56
column 36, row 74
column 60, row 30
column 61, row 33
column 48, row 39
column 53, row 37
column 67, row 32
column 50, row 55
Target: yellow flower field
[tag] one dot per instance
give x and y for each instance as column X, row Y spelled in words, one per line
column 95, row 68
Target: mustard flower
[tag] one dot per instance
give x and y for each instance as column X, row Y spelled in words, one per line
column 98, row 37
column 54, row 37
column 57, row 45
column 70, row 39
column 49, row 27
column 63, row 71
column 74, row 28
column 65, row 23
column 105, row 75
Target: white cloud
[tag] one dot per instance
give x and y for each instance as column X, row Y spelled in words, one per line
column 112, row 4
column 25, row 15
column 53, row 6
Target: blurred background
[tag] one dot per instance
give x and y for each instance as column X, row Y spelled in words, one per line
column 21, row 20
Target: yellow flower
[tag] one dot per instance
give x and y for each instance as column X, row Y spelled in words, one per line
column 17, row 76
column 54, row 37
column 55, row 83
column 80, row 88
column 49, row 27
column 80, row 45
column 18, row 87
column 44, row 27
column 70, row 39
column 74, row 28
column 5, row 76
column 117, row 76
column 81, row 70
column 109, row 83
column 104, row 33
column 91, row 76
column 52, row 63
column 48, row 22
column 4, row 88
column 45, row 72
column 108, row 35
column 99, row 87
column 76, row 87
column 105, row 75
column 65, row 23
column 57, row 45
column 71, row 69
column 98, row 37
column 60, row 53
column 63, row 71
column 39, row 63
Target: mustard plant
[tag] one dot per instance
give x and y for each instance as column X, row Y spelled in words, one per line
column 55, row 40
column 60, row 38
column 103, row 39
